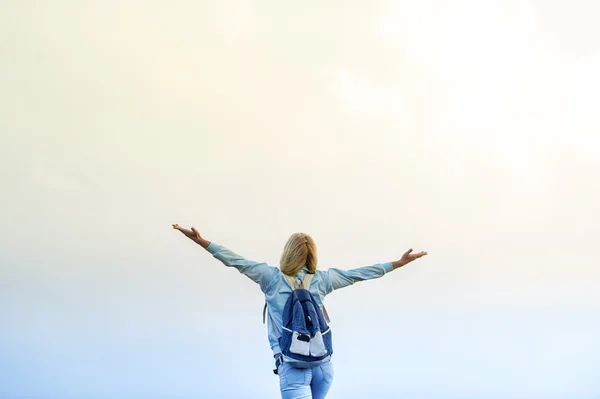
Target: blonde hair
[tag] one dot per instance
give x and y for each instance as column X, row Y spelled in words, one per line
column 300, row 249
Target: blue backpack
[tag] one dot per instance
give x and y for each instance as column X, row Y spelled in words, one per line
column 305, row 339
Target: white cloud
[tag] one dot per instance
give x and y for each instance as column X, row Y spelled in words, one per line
column 505, row 95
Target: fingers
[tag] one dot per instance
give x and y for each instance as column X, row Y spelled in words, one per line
column 176, row 226
column 408, row 252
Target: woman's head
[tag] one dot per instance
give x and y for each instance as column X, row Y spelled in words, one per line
column 300, row 249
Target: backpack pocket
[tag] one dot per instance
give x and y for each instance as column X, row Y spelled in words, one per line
column 317, row 346
column 300, row 344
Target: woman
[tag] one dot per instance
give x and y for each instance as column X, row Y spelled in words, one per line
column 299, row 258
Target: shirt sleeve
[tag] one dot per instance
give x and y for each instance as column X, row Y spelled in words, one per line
column 259, row 272
column 334, row 279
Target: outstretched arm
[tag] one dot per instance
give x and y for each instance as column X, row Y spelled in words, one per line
column 259, row 272
column 334, row 279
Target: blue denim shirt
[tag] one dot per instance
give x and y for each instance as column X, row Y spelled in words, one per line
column 277, row 290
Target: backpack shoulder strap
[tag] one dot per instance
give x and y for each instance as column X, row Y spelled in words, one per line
column 265, row 313
column 291, row 281
column 306, row 285
column 272, row 321
column 307, row 279
column 325, row 315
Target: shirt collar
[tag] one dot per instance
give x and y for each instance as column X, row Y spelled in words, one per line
column 302, row 271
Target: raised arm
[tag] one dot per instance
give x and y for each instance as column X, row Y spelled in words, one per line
column 334, row 279
column 259, row 272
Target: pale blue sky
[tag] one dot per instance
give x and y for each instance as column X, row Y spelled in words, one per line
column 469, row 129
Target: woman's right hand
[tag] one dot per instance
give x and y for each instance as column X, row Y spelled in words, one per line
column 191, row 234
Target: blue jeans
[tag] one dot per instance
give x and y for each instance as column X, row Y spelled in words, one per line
column 310, row 383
